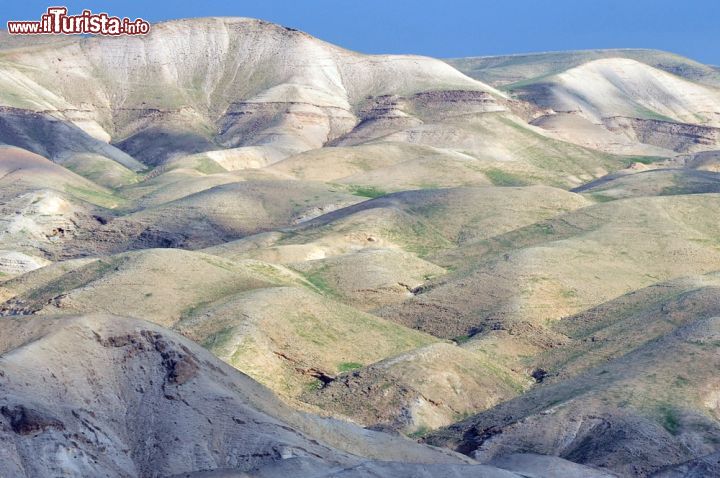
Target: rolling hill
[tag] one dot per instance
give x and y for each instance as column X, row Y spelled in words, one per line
column 231, row 249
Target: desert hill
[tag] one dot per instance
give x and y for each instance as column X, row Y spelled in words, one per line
column 229, row 248
column 500, row 71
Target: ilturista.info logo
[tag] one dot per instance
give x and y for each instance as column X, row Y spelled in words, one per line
column 57, row 21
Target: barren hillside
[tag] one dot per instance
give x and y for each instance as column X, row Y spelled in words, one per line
column 230, row 249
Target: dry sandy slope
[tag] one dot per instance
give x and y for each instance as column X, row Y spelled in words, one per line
column 634, row 101
column 83, row 396
column 578, row 129
column 23, row 171
column 43, row 205
column 278, row 150
column 245, row 93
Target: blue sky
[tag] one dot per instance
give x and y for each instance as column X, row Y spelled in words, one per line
column 451, row 28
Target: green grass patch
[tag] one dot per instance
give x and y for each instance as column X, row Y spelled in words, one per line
column 366, row 191
column 319, row 282
column 543, row 229
column 669, row 418
column 419, row 433
column 99, row 198
column 219, row 263
column 218, row 339
column 646, row 113
column 102, row 171
column 72, row 280
column 208, row 166
column 498, row 177
column 647, row 160
column 348, row 366
column 600, row 197
column 461, row 339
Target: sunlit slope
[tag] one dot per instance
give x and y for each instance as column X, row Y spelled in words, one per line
column 22, row 171
column 616, row 327
column 293, row 339
column 264, row 319
column 421, row 222
column 214, row 83
column 157, row 284
column 620, row 101
column 620, row 87
column 43, row 205
column 506, row 70
column 563, row 265
column 223, row 209
column 465, row 150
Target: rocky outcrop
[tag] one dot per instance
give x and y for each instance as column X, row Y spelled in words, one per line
column 138, row 400
column 680, row 137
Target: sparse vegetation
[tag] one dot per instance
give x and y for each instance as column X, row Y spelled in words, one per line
column 503, row 178
column 98, row 197
column 366, row 191
column 348, row 366
column 512, row 273
column 420, row 432
column 320, row 283
column 669, row 418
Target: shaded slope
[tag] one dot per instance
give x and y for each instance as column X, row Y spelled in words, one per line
column 57, row 139
column 621, row 416
column 657, row 182
column 176, row 395
column 419, row 390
